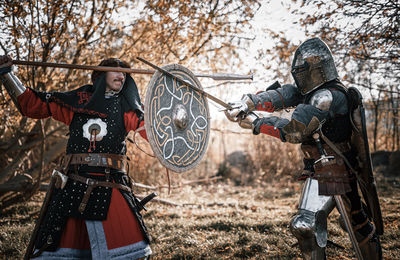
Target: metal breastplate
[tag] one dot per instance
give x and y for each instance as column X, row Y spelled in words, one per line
column 338, row 129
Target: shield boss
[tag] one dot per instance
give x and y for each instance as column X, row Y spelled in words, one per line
column 177, row 119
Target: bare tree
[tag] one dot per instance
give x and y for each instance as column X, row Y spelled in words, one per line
column 364, row 32
column 364, row 37
column 85, row 32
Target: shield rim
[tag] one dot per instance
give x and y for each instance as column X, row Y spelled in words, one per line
column 148, row 123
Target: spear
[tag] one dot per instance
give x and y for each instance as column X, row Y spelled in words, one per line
column 169, row 74
column 216, row 76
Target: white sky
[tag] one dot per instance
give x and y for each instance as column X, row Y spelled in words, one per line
column 274, row 16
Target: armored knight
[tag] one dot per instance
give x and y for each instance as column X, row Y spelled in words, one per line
column 92, row 213
column 324, row 122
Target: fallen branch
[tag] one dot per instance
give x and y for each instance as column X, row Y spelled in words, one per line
column 44, row 186
column 220, row 204
column 203, row 180
column 192, row 182
column 6, row 172
column 139, row 185
column 231, row 131
column 18, row 183
column 162, row 201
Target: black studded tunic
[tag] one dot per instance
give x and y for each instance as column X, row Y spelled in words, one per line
column 110, row 138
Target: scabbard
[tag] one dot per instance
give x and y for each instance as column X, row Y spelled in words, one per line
column 347, row 222
column 31, row 246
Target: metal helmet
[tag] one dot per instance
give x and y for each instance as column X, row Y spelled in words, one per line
column 313, row 65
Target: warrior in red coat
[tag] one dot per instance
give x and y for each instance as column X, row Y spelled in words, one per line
column 94, row 213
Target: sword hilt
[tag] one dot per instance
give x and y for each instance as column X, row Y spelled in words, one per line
column 145, row 200
column 324, row 159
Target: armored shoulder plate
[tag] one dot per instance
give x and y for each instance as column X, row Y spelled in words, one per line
column 322, row 99
column 13, row 86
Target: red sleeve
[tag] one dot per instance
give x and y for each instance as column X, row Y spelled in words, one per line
column 32, row 106
column 132, row 122
column 270, row 130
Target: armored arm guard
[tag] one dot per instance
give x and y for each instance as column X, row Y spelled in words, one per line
column 13, row 86
column 270, row 126
column 276, row 97
column 305, row 119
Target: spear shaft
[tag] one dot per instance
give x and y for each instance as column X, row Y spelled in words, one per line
column 169, row 74
column 217, row 76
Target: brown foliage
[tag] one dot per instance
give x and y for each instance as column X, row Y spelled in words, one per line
column 364, row 39
column 85, row 32
column 365, row 33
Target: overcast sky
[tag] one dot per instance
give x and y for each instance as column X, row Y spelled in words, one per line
column 274, row 16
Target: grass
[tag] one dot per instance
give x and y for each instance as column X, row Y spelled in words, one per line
column 223, row 221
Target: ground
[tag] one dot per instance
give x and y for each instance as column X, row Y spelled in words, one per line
column 221, row 221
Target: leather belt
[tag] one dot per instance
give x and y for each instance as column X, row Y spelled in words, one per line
column 92, row 183
column 115, row 161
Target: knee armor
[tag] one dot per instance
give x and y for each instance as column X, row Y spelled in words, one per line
column 309, row 226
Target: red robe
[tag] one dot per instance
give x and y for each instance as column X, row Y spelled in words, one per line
column 121, row 227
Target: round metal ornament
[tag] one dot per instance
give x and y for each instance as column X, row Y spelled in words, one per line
column 176, row 119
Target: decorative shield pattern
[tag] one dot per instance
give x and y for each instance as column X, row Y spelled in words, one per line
column 177, row 119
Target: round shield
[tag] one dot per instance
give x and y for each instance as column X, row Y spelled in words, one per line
column 177, row 119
